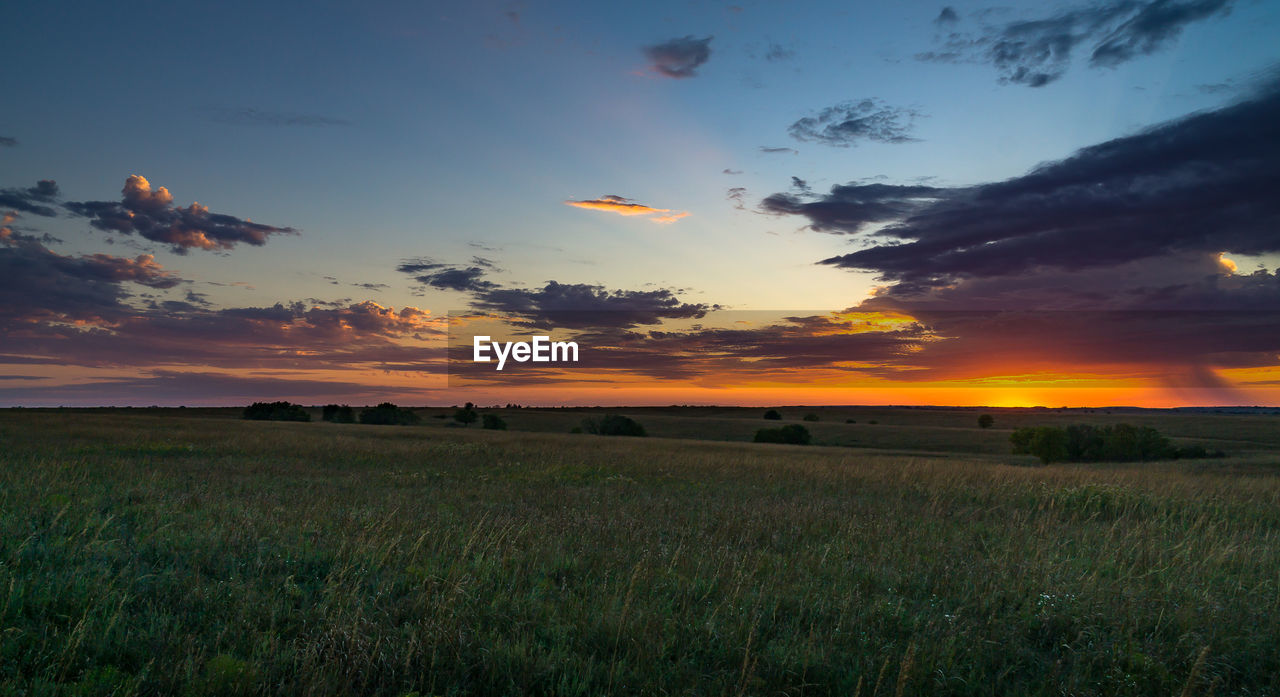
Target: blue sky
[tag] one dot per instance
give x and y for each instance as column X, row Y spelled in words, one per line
column 389, row 131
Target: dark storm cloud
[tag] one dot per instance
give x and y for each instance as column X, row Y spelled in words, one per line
column 33, row 199
column 679, row 58
column 6, row 141
column 1036, row 52
column 849, row 208
column 578, row 305
column 1202, row 184
column 449, row 276
column 256, row 117
column 848, row 123
column 152, row 215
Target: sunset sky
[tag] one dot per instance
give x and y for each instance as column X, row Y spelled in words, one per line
column 756, row 203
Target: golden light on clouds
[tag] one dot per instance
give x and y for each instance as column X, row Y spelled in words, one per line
column 625, row 206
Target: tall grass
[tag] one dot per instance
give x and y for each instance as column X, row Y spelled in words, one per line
column 147, row 555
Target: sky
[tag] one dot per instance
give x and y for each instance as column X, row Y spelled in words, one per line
column 733, row 203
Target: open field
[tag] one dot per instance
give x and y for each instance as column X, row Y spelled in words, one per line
column 190, row 553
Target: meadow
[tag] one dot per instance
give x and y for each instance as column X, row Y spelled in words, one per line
column 187, row 552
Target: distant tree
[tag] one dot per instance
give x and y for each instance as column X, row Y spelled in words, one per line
column 1086, row 443
column 466, row 415
column 388, row 414
column 339, row 414
column 613, row 425
column 986, row 421
column 851, row 421
column 493, row 422
column 276, row 411
column 794, row 434
column 773, row 415
column 810, row 417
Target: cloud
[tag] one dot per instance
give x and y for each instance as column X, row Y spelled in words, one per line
column 679, row 58
column 628, row 207
column 6, row 141
column 578, row 305
column 183, row 387
column 947, row 16
column 850, row 208
column 151, row 214
column 37, row 284
column 1201, row 184
column 846, row 124
column 1039, row 51
column 731, row 171
column 32, row 200
column 777, row 53
column 256, row 117
column 449, row 276
column 776, row 151
column 737, row 195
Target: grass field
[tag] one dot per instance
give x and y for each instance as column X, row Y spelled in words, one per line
column 191, row 553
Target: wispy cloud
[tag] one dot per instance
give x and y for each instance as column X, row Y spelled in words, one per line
column 846, row 124
column 1036, row 52
column 258, row 117
column 628, row 207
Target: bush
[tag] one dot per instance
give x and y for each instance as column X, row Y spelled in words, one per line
column 276, row 411
column 794, row 434
column 339, row 414
column 493, row 422
column 388, row 414
column 851, row 421
column 810, row 417
column 773, row 415
column 466, row 415
column 986, row 421
column 1087, row 443
column 613, row 425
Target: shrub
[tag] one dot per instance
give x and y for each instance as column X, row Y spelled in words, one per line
column 851, row 421
column 576, row 429
column 986, row 421
column 810, row 417
column 388, row 414
column 1087, row 443
column 276, row 411
column 613, row 425
column 773, row 415
column 339, row 414
column 466, row 415
column 795, row 434
column 493, row 422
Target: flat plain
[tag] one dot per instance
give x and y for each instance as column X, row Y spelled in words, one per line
column 188, row 552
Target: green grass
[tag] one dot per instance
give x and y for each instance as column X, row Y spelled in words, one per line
column 156, row 554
